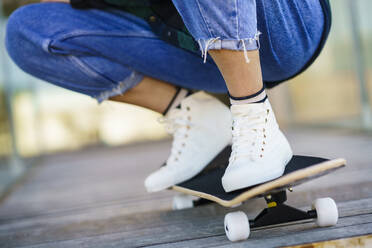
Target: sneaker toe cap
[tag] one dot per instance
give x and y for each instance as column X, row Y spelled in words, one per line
column 246, row 176
column 157, row 181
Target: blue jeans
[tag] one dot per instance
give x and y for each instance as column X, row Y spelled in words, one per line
column 102, row 53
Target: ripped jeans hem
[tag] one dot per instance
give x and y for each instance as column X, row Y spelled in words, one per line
column 245, row 44
column 131, row 81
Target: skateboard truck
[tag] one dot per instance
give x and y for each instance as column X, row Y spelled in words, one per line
column 237, row 225
column 277, row 212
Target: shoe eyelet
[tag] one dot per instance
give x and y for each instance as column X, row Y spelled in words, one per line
column 183, row 144
column 263, row 130
column 266, row 120
column 264, row 135
column 261, row 155
column 262, row 149
column 176, row 159
column 179, row 152
column 263, row 143
column 188, row 127
column 189, row 118
column 188, row 108
column 267, row 111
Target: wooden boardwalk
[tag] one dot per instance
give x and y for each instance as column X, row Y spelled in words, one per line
column 96, row 198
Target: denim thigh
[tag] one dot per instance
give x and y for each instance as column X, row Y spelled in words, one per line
column 100, row 53
column 104, row 53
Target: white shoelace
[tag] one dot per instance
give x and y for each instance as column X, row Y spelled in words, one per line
column 249, row 135
column 177, row 124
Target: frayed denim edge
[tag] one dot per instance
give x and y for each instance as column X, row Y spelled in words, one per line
column 128, row 83
column 246, row 44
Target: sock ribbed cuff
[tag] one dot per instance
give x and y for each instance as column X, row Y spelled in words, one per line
column 257, row 97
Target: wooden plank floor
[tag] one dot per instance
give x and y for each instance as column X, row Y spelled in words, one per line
column 96, row 198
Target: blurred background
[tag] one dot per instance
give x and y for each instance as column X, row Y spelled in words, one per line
column 37, row 119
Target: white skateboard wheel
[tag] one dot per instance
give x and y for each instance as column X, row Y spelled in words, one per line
column 237, row 226
column 182, row 201
column 327, row 212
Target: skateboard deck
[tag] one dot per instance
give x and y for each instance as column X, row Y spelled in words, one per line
column 207, row 184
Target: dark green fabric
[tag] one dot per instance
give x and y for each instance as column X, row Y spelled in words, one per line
column 146, row 9
column 142, row 12
column 129, row 3
column 140, row 8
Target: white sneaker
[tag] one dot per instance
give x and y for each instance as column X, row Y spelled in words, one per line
column 201, row 129
column 260, row 151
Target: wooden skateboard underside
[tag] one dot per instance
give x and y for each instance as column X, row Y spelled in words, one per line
column 300, row 169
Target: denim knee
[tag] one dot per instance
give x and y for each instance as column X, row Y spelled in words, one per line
column 38, row 49
column 16, row 37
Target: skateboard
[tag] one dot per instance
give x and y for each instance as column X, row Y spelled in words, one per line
column 206, row 187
